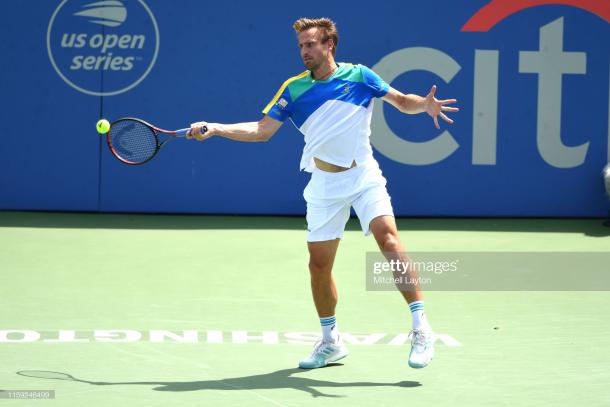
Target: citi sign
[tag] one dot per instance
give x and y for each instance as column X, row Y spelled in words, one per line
column 102, row 48
column 550, row 63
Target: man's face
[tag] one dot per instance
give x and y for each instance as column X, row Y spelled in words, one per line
column 313, row 51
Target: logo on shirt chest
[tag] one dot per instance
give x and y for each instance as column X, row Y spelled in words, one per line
column 346, row 89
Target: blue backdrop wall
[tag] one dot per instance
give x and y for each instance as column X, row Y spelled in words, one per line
column 531, row 77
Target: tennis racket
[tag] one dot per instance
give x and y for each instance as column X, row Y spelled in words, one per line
column 134, row 141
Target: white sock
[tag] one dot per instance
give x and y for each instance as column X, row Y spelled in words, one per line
column 330, row 333
column 420, row 321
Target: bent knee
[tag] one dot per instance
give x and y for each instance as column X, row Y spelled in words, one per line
column 390, row 242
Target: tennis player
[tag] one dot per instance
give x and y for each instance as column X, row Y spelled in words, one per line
column 331, row 104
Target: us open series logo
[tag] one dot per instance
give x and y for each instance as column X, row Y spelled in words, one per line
column 112, row 42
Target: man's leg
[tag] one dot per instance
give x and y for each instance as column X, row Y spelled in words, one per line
column 323, row 289
column 326, row 219
column 324, row 292
column 422, row 341
column 386, row 234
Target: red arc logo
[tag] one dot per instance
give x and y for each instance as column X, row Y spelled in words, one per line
column 497, row 10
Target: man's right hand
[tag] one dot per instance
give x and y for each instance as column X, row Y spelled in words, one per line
column 195, row 131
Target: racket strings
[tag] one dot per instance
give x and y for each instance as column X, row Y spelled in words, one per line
column 132, row 141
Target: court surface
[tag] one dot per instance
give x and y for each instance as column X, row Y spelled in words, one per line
column 99, row 297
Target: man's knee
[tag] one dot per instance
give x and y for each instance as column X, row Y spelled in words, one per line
column 386, row 234
column 319, row 265
column 390, row 242
column 321, row 257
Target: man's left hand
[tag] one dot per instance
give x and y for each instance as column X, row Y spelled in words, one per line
column 435, row 107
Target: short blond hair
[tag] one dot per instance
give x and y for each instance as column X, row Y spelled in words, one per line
column 328, row 27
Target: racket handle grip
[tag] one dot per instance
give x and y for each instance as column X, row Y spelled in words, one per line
column 183, row 132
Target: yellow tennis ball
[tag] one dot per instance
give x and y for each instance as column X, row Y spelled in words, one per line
column 102, row 126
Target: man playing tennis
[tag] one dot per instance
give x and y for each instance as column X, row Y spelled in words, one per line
column 331, row 104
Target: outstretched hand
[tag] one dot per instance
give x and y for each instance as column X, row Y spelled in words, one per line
column 435, row 107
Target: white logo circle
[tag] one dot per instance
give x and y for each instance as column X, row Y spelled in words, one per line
column 107, row 14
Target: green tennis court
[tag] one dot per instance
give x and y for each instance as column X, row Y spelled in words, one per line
column 145, row 310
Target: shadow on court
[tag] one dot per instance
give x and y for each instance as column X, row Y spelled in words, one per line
column 588, row 226
column 280, row 379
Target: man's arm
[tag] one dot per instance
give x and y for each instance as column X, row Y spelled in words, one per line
column 413, row 104
column 262, row 130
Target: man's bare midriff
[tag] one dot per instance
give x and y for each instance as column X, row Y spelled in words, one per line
column 328, row 167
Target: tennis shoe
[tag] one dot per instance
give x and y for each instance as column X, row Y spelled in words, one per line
column 422, row 348
column 324, row 352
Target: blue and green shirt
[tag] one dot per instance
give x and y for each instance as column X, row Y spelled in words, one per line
column 334, row 115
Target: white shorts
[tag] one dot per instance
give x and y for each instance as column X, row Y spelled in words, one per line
column 329, row 196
